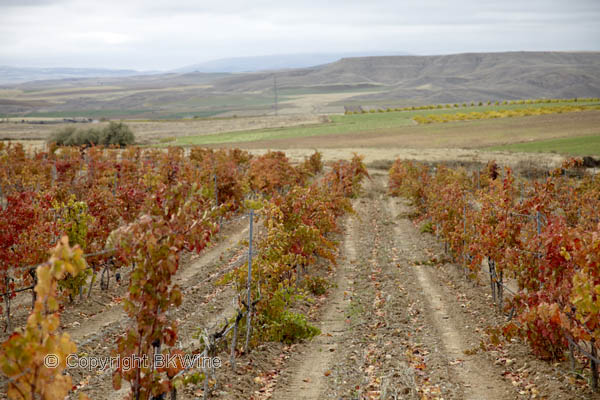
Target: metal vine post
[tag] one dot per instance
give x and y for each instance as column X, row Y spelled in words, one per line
column 249, row 284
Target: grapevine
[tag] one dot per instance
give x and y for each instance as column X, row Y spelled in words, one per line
column 541, row 234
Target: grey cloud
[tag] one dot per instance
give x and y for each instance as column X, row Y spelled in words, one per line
column 170, row 33
column 28, row 3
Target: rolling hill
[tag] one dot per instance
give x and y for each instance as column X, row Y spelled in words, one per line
column 446, row 78
column 366, row 81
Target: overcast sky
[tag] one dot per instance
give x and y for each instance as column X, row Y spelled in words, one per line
column 167, row 34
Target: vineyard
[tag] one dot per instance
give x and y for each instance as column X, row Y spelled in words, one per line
column 293, row 280
column 136, row 213
column 539, row 241
column 428, row 119
column 479, row 104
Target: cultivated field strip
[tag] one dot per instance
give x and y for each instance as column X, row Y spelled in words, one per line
column 453, row 332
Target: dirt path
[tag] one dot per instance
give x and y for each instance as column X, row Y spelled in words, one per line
column 385, row 354
column 311, row 366
column 367, row 324
column 389, row 330
column 477, row 378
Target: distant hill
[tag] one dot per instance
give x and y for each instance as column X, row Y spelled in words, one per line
column 13, row 75
column 271, row 62
column 352, row 81
column 444, row 79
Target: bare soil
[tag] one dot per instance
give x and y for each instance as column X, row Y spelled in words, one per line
column 462, row 135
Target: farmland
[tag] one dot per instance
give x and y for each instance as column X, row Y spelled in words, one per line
column 400, row 123
column 579, row 146
column 386, row 130
column 344, row 273
column 362, row 292
column 299, row 200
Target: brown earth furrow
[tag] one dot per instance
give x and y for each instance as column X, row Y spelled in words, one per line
column 307, row 372
column 477, row 378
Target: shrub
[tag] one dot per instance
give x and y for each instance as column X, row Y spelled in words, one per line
column 63, row 135
column 115, row 134
column 290, row 328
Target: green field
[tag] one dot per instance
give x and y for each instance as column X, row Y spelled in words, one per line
column 344, row 124
column 339, row 124
column 577, row 146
